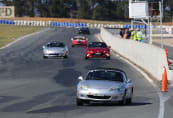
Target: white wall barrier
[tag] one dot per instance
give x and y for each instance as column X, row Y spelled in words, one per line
column 149, row 57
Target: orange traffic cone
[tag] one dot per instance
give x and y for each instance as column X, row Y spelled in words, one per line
column 166, row 51
column 164, row 80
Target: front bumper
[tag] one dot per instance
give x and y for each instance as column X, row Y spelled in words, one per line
column 55, row 54
column 97, row 96
column 97, row 55
column 79, row 43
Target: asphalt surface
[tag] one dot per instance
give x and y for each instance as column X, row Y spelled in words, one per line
column 33, row 87
column 169, row 48
column 169, row 108
column 169, row 93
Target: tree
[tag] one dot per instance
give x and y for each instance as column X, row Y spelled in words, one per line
column 83, row 9
column 87, row 9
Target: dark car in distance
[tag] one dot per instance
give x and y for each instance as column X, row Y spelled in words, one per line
column 84, row 30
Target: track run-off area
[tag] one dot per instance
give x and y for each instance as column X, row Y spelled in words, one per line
column 33, row 87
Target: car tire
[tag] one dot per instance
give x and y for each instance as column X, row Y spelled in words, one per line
column 124, row 100
column 45, row 57
column 86, row 57
column 65, row 56
column 129, row 100
column 108, row 58
column 72, row 45
column 79, row 102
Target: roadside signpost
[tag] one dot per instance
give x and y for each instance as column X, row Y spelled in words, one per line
column 161, row 23
column 7, row 12
column 145, row 12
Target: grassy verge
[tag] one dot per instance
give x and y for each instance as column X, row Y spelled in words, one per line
column 9, row 33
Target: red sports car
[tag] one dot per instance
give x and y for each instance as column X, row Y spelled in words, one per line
column 79, row 40
column 97, row 49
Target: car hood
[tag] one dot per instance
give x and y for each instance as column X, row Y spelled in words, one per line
column 102, row 84
column 54, row 49
column 98, row 49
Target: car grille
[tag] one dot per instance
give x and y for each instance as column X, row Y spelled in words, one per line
column 79, row 42
column 99, row 97
column 54, row 54
column 98, row 54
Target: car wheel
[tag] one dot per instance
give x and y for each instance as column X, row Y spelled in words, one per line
column 129, row 100
column 86, row 57
column 72, row 45
column 45, row 57
column 79, row 102
column 124, row 100
column 65, row 56
column 108, row 58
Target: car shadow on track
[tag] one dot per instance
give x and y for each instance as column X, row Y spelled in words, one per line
column 117, row 104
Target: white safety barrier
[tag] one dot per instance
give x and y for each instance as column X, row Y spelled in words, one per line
column 32, row 23
column 98, row 26
column 48, row 23
column 149, row 57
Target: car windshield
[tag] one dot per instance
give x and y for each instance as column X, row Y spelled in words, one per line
column 55, row 45
column 84, row 29
column 79, row 38
column 97, row 44
column 105, row 75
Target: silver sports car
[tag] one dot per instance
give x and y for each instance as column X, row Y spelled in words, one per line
column 55, row 49
column 104, row 85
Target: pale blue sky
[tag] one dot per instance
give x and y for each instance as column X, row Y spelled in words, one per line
column 1, row 4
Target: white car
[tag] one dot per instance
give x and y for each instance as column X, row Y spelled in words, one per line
column 104, row 85
column 55, row 49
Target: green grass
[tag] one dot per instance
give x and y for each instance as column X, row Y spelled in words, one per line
column 9, row 33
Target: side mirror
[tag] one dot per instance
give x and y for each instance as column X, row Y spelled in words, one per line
column 80, row 78
column 109, row 46
column 129, row 81
column 43, row 47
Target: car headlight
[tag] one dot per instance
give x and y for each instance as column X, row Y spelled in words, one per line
column 106, row 51
column 47, row 51
column 90, row 51
column 115, row 89
column 83, row 87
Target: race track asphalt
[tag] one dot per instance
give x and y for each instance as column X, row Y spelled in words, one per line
column 33, row 87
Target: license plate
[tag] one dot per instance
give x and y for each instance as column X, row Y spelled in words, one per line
column 99, row 95
column 79, row 42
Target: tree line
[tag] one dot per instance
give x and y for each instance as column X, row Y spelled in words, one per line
column 87, row 9
column 84, row 9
